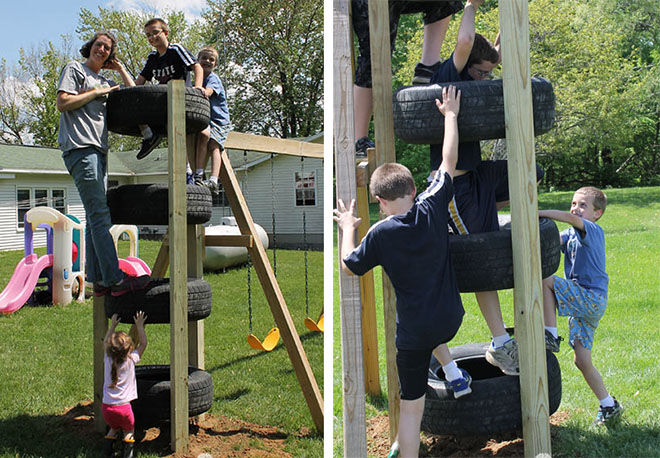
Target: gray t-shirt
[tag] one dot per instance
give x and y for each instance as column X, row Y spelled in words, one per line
column 85, row 126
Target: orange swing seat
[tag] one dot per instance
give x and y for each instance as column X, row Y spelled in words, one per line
column 315, row 325
column 269, row 342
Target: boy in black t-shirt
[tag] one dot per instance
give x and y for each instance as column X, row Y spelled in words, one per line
column 412, row 245
column 167, row 62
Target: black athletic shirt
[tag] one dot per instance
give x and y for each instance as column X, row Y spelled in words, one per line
column 413, row 248
column 173, row 65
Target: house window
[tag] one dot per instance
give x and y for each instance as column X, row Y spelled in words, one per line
column 305, row 189
column 23, row 205
column 59, row 201
column 27, row 198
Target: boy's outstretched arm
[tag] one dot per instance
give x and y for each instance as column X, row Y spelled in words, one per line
column 450, row 106
column 347, row 224
column 564, row 217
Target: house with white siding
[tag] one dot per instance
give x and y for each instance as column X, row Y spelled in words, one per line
column 278, row 188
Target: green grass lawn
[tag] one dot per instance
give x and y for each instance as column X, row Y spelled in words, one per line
column 46, row 360
column 626, row 345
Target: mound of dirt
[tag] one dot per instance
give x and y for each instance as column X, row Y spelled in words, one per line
column 211, row 435
column 378, row 443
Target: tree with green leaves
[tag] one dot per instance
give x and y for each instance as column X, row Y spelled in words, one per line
column 271, row 62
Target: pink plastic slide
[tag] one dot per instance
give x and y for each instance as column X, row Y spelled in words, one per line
column 134, row 267
column 23, row 282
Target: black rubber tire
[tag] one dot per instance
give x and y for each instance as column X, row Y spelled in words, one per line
column 494, row 404
column 484, row 261
column 149, row 204
column 417, row 119
column 132, row 106
column 154, row 301
column 153, row 386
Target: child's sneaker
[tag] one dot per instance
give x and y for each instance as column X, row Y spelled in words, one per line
column 423, row 73
column 461, row 386
column 109, row 446
column 552, row 342
column 608, row 415
column 504, row 357
column 362, row 145
column 148, row 145
column 190, row 178
column 213, row 186
column 394, row 450
column 198, row 179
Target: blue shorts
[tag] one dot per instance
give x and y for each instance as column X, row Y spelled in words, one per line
column 583, row 307
column 219, row 133
column 476, row 194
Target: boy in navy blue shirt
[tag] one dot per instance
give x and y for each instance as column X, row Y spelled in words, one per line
column 582, row 295
column 412, row 245
column 168, row 61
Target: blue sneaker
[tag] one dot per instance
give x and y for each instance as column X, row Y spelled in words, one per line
column 608, row 415
column 461, row 386
column 190, row 178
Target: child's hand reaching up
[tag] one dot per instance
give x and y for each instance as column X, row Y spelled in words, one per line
column 451, row 101
column 139, row 319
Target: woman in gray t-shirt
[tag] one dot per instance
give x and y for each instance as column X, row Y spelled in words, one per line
column 83, row 138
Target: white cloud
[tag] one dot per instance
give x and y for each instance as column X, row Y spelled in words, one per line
column 191, row 8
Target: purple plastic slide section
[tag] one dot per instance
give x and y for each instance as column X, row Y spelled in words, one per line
column 22, row 282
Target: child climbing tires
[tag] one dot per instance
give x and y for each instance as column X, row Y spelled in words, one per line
column 418, row 121
column 131, row 107
column 494, row 404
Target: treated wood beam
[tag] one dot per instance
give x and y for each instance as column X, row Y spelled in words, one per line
column 527, row 292
column 263, row 144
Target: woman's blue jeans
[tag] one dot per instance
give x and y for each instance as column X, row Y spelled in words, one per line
column 89, row 169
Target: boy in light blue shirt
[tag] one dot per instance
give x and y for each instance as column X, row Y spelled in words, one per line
column 212, row 140
column 582, row 295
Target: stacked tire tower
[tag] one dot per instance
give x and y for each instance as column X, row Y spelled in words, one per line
column 482, row 261
column 148, row 204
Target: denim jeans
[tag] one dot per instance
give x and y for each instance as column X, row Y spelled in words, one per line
column 89, row 169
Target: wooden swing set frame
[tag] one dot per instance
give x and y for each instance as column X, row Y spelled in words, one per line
column 182, row 251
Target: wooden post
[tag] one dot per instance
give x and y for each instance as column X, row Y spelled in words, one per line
column 367, row 290
column 162, row 261
column 355, row 433
column 381, row 76
column 273, row 294
column 527, row 294
column 100, row 327
column 176, row 129
column 195, row 238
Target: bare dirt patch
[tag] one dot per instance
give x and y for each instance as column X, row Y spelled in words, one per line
column 217, row 436
column 378, row 443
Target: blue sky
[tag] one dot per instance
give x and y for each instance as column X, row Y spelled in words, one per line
column 27, row 23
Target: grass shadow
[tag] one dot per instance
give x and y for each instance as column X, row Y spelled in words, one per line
column 56, row 436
